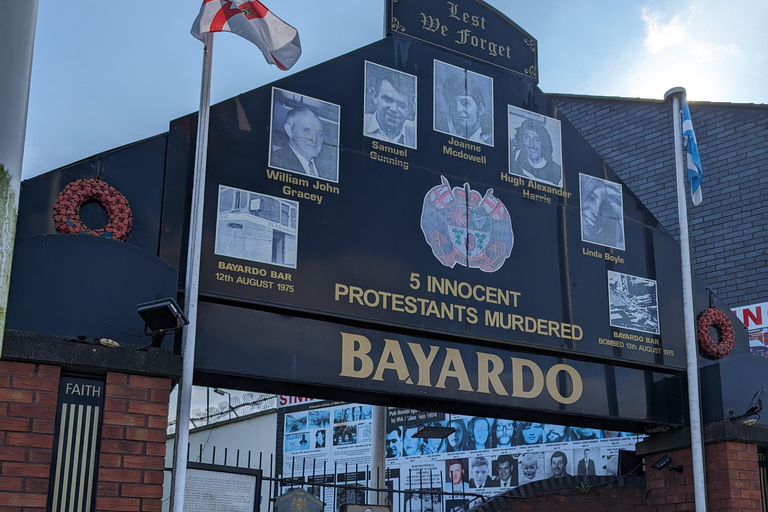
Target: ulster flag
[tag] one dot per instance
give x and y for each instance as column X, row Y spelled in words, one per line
column 277, row 40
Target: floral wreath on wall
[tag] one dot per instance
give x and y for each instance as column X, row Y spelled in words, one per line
column 66, row 209
column 725, row 332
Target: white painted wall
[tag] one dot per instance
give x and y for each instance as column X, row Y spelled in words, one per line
column 257, row 433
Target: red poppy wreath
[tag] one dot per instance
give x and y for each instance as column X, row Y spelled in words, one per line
column 66, row 209
column 725, row 332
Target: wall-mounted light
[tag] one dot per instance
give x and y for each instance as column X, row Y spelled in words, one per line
column 666, row 462
column 161, row 317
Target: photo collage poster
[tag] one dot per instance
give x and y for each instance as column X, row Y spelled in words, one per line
column 482, row 457
column 485, row 456
column 327, row 442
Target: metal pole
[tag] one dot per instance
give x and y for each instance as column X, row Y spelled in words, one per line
column 694, row 407
column 17, row 42
column 179, row 474
column 378, row 453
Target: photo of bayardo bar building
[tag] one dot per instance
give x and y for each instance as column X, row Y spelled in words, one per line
column 455, row 202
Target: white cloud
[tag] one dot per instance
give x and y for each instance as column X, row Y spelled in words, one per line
column 713, row 50
column 660, row 35
column 682, row 31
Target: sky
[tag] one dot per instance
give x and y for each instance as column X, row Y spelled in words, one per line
column 107, row 74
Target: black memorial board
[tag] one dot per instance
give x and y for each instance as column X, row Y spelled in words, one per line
column 469, row 27
column 444, row 230
column 314, row 357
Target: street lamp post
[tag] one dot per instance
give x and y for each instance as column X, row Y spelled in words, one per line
column 229, row 401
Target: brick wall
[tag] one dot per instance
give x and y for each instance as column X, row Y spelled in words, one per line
column 28, row 397
column 728, row 237
column 132, row 457
column 733, row 480
column 595, row 500
column 733, row 476
column 133, row 444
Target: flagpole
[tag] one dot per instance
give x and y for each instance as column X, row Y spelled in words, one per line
column 180, row 451
column 694, row 408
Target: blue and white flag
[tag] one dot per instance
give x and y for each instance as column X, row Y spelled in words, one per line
column 695, row 174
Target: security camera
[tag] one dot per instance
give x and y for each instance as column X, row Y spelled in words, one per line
column 662, row 462
column 666, row 462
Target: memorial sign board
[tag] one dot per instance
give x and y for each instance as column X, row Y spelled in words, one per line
column 440, row 200
column 469, row 27
column 459, row 236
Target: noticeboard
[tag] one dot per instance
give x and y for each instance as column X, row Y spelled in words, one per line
column 485, row 216
column 214, row 487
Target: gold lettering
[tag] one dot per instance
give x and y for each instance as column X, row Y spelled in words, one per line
column 356, row 293
column 578, row 385
column 517, row 378
column 432, row 24
column 392, row 359
column 341, row 289
column 453, row 366
column 355, row 348
column 424, row 362
column 486, row 375
column 452, row 10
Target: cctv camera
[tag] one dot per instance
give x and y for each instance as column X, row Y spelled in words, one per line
column 666, row 462
column 662, row 462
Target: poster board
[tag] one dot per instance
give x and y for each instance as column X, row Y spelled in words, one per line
column 213, row 487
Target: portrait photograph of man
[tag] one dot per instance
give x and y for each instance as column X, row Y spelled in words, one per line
column 586, row 465
column 559, row 465
column 505, row 470
column 463, row 103
column 394, row 442
column 602, row 212
column 480, row 471
column 456, row 475
column 535, row 149
column 304, row 135
column 390, row 105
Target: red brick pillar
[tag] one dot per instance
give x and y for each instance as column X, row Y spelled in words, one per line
column 133, row 444
column 732, row 474
column 733, row 477
column 28, row 397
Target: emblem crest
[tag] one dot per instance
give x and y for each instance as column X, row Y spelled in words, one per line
column 463, row 227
